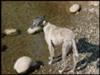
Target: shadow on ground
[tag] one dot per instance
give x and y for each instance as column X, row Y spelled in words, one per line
column 3, row 48
column 85, row 47
column 35, row 66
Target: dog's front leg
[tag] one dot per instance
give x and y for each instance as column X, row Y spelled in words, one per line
column 51, row 51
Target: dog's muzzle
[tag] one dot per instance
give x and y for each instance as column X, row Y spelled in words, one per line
column 32, row 31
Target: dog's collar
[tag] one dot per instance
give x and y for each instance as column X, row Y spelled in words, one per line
column 45, row 23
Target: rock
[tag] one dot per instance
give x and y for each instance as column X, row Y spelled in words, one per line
column 10, row 31
column 74, row 8
column 22, row 64
column 91, row 10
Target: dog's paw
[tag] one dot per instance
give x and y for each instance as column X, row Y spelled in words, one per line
column 49, row 58
column 60, row 71
column 72, row 72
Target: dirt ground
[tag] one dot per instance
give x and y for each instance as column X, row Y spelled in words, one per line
column 20, row 14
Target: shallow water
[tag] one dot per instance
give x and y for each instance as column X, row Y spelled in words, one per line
column 20, row 15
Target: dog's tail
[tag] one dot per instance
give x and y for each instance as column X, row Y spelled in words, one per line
column 74, row 48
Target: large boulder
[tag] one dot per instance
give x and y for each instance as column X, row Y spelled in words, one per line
column 22, row 64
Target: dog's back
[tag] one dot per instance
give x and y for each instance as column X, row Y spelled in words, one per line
column 58, row 34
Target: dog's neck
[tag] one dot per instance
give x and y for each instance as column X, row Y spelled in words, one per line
column 45, row 23
column 48, row 26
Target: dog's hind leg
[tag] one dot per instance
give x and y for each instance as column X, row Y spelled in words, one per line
column 65, row 49
column 75, row 55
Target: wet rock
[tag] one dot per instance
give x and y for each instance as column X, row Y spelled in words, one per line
column 10, row 31
column 22, row 64
column 74, row 8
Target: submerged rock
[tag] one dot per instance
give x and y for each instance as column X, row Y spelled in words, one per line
column 10, row 31
column 74, row 8
column 22, row 64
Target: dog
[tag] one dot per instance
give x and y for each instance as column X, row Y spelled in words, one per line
column 56, row 36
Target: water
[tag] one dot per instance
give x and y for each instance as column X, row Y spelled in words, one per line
column 20, row 15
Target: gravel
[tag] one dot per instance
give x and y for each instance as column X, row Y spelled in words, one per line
column 86, row 26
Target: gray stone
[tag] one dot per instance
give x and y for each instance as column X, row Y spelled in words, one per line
column 22, row 64
column 74, row 8
column 10, row 31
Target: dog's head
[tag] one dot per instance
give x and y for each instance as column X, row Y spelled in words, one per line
column 37, row 24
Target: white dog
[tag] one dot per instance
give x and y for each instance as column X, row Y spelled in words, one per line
column 55, row 36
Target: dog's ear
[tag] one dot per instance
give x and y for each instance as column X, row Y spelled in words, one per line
column 42, row 17
column 38, row 21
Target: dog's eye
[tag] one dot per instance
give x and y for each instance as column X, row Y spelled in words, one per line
column 32, row 27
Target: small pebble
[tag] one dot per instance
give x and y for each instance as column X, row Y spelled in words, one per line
column 92, row 10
